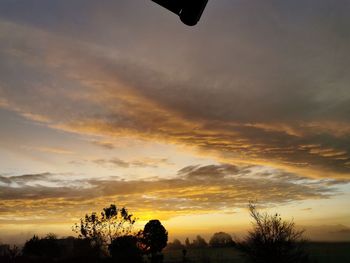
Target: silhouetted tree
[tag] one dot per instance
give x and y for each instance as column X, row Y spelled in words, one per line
column 32, row 247
column 104, row 228
column 199, row 242
column 273, row 240
column 221, row 239
column 125, row 249
column 154, row 239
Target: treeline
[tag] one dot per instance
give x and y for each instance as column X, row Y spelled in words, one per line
column 109, row 237
column 128, row 248
column 51, row 249
column 220, row 239
column 102, row 237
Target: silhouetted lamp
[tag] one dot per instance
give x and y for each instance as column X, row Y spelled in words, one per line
column 189, row 11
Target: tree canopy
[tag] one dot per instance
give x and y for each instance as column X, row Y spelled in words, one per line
column 155, row 237
column 104, row 228
column 221, row 239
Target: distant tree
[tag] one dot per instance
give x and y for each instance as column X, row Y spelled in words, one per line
column 273, row 240
column 104, row 228
column 199, row 242
column 154, row 239
column 125, row 249
column 221, row 239
column 187, row 242
column 176, row 244
column 81, row 250
column 46, row 247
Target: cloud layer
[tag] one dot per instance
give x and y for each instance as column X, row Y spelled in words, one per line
column 195, row 189
column 283, row 102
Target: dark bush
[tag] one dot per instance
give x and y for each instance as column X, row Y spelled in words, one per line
column 125, row 249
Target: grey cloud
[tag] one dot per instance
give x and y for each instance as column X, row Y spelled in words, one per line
column 106, row 145
column 285, row 69
column 210, row 171
column 254, row 88
column 25, row 178
column 143, row 162
column 28, row 177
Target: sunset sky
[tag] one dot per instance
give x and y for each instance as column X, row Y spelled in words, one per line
column 118, row 102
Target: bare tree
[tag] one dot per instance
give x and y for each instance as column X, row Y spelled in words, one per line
column 273, row 240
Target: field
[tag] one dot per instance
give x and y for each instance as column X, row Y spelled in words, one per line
column 319, row 252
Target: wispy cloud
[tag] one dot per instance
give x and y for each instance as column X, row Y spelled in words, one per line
column 143, row 162
column 54, row 150
column 105, row 144
column 194, row 189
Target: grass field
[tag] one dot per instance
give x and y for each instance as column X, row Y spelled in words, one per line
column 319, row 252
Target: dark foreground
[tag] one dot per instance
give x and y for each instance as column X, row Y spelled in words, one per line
column 320, row 252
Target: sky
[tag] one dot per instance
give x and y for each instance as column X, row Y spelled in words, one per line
column 118, row 102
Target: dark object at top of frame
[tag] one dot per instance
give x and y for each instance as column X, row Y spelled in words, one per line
column 189, row 11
